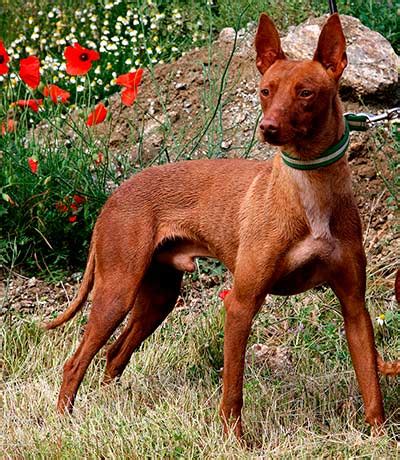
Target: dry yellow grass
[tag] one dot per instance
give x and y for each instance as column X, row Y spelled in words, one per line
column 166, row 405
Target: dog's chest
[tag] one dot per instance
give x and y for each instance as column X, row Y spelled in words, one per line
column 307, row 260
column 316, row 207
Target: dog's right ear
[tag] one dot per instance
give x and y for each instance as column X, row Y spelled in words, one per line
column 267, row 43
column 331, row 49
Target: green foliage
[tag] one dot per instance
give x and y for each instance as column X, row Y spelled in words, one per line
column 381, row 15
column 49, row 214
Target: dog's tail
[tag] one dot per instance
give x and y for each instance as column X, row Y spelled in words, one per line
column 391, row 367
column 78, row 302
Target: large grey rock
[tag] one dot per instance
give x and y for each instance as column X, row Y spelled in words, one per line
column 373, row 65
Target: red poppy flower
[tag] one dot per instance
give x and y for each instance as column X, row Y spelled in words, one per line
column 33, row 164
column 4, row 58
column 131, row 81
column 99, row 159
column 224, row 293
column 7, row 127
column 56, row 93
column 79, row 199
column 79, row 59
column 33, row 104
column 72, row 219
column 61, row 207
column 97, row 116
column 128, row 96
column 29, row 71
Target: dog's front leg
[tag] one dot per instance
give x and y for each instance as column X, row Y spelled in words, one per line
column 348, row 284
column 238, row 320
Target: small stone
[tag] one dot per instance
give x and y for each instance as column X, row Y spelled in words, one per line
column 32, row 282
column 240, row 118
column 227, row 35
column 157, row 140
column 277, row 358
column 180, row 86
column 174, row 116
column 77, row 276
column 226, row 145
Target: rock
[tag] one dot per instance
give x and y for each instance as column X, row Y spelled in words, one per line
column 372, row 63
column 32, row 282
column 240, row 118
column 367, row 171
column 180, row 86
column 227, row 35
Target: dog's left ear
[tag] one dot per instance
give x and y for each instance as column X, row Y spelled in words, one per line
column 331, row 49
column 267, row 43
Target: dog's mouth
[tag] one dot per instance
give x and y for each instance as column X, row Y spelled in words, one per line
column 272, row 138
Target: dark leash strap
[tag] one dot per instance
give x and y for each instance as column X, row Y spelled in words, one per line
column 332, row 6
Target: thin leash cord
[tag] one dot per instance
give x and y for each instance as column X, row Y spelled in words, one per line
column 332, row 6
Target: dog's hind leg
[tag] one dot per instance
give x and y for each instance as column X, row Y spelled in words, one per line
column 156, row 298
column 114, row 294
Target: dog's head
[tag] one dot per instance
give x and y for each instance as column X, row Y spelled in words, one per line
column 297, row 96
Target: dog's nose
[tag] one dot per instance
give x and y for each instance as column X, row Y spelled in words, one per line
column 269, row 126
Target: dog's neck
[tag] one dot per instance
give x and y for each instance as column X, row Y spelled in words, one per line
column 327, row 132
column 319, row 190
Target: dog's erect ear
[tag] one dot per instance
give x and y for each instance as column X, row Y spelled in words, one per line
column 331, row 49
column 268, row 44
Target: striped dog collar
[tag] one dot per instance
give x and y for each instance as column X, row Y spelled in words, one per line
column 332, row 154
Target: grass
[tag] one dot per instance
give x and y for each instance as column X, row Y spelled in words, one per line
column 166, row 404
column 305, row 405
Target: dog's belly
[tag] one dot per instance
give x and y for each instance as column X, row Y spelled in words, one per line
column 181, row 254
column 305, row 266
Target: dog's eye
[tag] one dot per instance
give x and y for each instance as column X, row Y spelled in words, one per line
column 305, row 93
column 265, row 92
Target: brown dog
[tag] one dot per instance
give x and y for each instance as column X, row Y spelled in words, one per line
column 278, row 229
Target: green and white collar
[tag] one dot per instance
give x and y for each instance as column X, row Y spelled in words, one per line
column 352, row 122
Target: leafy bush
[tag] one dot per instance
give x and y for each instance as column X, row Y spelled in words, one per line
column 48, row 213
